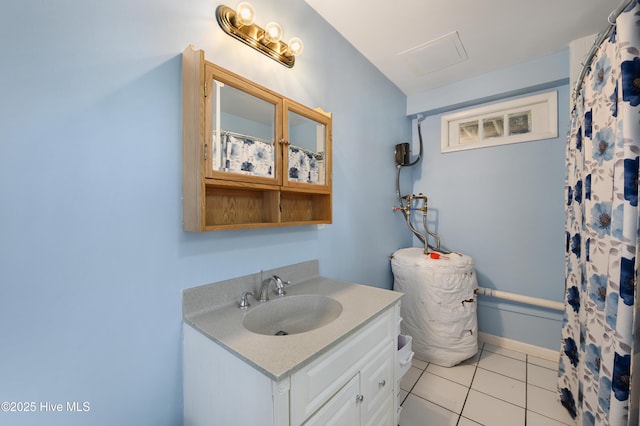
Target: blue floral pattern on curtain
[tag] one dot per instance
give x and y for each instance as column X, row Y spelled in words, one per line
column 598, row 352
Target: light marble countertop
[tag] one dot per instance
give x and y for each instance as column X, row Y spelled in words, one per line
column 279, row 356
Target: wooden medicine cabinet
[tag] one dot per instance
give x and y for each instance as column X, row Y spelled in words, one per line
column 251, row 158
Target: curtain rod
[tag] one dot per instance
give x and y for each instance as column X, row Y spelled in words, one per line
column 602, row 36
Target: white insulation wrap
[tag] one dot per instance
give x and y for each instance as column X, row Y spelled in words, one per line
column 439, row 305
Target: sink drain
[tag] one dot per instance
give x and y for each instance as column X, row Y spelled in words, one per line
column 281, row 333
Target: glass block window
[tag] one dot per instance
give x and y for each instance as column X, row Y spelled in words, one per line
column 520, row 120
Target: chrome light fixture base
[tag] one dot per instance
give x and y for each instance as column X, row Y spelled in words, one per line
column 253, row 35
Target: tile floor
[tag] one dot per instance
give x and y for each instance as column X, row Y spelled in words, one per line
column 494, row 388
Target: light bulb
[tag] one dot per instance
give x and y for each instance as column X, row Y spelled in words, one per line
column 245, row 13
column 295, row 46
column 272, row 32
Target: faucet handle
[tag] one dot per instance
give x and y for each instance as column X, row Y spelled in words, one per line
column 244, row 300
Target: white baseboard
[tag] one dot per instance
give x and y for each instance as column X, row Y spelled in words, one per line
column 503, row 342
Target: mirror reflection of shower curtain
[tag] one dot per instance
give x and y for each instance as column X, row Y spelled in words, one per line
column 599, row 370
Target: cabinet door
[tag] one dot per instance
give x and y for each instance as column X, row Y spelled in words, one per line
column 242, row 131
column 343, row 409
column 313, row 384
column 307, row 151
column 377, row 385
column 383, row 416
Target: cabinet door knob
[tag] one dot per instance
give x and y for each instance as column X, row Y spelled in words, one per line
column 359, row 398
column 382, row 383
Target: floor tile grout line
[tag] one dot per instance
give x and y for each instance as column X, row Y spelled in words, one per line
column 508, row 356
column 550, row 418
column 499, row 399
column 453, row 381
column 542, row 387
column 540, row 366
column 475, row 370
column 547, row 416
column 506, row 375
column 436, row 404
column 415, row 383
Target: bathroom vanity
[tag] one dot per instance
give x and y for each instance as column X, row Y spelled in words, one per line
column 346, row 371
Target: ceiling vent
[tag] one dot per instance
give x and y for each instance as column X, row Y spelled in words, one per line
column 434, row 55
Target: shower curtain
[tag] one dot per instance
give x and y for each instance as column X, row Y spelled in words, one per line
column 599, row 370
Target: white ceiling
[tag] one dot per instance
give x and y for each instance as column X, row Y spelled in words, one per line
column 424, row 44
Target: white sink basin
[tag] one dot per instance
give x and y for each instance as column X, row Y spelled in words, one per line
column 292, row 315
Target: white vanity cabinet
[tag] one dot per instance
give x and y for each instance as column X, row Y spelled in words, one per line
column 352, row 383
column 368, row 357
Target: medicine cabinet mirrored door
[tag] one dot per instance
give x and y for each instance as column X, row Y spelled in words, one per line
column 242, row 134
column 307, row 147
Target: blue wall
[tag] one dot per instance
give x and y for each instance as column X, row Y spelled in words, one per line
column 92, row 255
column 503, row 205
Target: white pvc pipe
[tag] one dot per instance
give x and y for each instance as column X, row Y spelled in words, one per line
column 535, row 301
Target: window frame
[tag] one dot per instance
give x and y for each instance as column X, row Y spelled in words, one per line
column 542, row 123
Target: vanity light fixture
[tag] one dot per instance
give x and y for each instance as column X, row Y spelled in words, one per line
column 239, row 24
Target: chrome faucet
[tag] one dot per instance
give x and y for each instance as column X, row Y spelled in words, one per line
column 244, row 300
column 263, row 294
